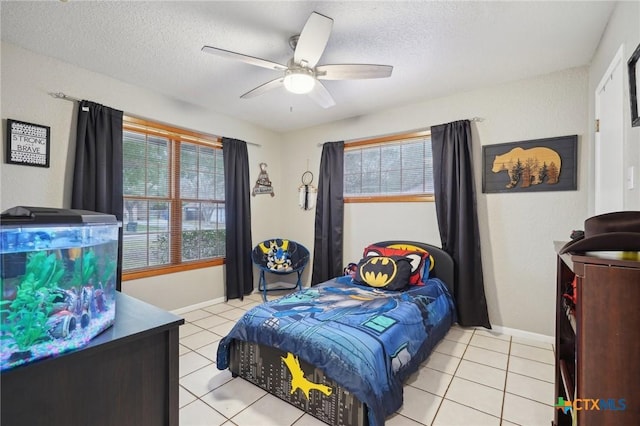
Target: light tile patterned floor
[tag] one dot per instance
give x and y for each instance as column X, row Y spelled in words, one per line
column 474, row 377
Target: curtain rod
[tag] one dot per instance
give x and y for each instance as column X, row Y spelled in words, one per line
column 473, row 120
column 61, row 95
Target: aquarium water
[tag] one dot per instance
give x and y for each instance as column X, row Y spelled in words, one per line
column 58, row 271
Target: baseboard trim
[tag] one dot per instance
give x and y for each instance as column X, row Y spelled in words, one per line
column 197, row 306
column 520, row 333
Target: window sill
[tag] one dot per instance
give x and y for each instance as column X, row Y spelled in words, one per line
column 390, row 199
column 163, row 270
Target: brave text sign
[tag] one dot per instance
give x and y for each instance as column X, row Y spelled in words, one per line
column 27, row 144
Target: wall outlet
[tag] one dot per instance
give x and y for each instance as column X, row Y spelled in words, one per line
column 630, row 177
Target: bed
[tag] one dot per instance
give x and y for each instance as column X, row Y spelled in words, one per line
column 341, row 350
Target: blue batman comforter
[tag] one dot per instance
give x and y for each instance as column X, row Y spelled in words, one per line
column 367, row 340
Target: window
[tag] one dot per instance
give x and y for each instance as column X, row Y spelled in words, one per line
column 388, row 169
column 174, row 211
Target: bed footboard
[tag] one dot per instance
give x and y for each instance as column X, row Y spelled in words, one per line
column 277, row 372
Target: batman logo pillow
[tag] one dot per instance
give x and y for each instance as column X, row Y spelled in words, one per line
column 384, row 272
column 417, row 258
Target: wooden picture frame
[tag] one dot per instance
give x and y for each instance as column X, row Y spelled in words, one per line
column 634, row 87
column 27, row 144
column 549, row 164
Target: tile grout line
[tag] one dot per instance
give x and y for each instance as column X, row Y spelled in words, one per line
column 528, row 399
column 453, row 376
column 472, row 381
column 520, row 343
column 245, row 408
column 506, row 376
column 473, row 408
column 209, row 406
column 534, row 360
column 492, row 350
column 529, row 377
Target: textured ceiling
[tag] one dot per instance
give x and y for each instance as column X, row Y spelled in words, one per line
column 436, row 48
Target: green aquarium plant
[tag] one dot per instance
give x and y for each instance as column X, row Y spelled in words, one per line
column 29, row 311
column 87, row 270
column 109, row 271
column 84, row 269
column 4, row 311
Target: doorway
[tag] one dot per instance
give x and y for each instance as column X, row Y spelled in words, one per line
column 609, row 137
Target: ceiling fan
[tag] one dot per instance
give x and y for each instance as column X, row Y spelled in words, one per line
column 302, row 74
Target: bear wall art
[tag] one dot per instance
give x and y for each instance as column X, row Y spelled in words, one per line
column 530, row 166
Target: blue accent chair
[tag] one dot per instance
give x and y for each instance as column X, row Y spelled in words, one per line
column 281, row 257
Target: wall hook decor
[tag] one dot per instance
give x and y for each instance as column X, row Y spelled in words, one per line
column 307, row 192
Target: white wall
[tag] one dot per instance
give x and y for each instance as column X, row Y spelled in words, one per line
column 27, row 78
column 517, row 230
column 623, row 29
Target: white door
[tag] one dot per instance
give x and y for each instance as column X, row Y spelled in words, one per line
column 609, row 173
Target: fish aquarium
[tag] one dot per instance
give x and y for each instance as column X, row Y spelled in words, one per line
column 58, row 271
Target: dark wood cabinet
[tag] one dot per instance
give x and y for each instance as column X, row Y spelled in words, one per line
column 598, row 342
column 127, row 375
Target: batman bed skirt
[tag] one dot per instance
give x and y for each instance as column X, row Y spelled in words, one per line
column 341, row 351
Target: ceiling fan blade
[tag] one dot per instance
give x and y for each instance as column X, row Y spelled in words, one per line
column 270, row 85
column 313, row 39
column 352, row 71
column 244, row 58
column 321, row 96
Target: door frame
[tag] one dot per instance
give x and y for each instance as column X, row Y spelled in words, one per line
column 616, row 65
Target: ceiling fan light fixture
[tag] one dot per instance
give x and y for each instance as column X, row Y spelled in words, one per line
column 302, row 74
column 299, row 81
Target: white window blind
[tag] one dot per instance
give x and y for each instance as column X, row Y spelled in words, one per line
column 396, row 168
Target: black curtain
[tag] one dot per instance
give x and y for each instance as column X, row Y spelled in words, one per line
column 239, row 269
column 458, row 219
column 97, row 176
column 328, row 239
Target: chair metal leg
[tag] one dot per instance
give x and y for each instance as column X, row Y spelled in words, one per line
column 299, row 285
column 262, row 285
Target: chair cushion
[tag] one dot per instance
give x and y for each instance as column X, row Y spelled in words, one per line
column 276, row 255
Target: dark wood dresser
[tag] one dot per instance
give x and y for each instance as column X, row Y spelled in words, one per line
column 127, row 375
column 598, row 343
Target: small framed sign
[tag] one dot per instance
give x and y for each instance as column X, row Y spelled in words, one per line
column 27, row 144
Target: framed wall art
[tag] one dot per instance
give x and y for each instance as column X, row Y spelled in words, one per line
column 27, row 144
column 634, row 86
column 531, row 166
